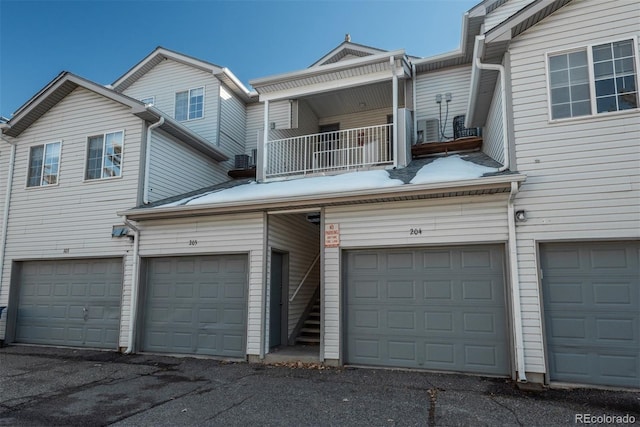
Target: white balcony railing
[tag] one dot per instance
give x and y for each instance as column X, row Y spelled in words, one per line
column 330, row 151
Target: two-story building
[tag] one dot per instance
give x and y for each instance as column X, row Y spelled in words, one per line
column 79, row 152
column 476, row 211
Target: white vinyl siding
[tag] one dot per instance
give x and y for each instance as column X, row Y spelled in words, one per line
column 307, row 122
column 73, row 219
column 301, row 240
column 225, row 234
column 503, row 12
column 357, row 120
column 583, row 181
column 455, row 81
column 233, row 119
column 493, row 137
column 176, row 169
column 442, row 222
column 255, row 125
column 170, row 77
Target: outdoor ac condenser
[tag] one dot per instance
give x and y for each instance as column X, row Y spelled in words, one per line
column 429, row 129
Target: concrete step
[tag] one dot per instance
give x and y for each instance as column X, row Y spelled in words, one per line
column 308, row 339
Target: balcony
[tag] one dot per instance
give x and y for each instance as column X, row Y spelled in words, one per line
column 330, row 151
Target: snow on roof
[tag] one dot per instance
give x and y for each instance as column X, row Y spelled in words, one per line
column 450, row 168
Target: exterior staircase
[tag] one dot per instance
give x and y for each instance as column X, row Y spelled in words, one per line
column 310, row 332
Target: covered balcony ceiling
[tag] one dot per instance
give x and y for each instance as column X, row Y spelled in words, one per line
column 353, row 100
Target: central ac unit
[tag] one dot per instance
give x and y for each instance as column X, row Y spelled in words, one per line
column 429, row 129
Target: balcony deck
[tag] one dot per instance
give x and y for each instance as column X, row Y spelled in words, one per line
column 432, row 148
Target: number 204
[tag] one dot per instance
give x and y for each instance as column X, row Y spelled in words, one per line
column 415, row 231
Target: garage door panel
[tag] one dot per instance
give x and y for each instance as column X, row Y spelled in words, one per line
column 70, row 302
column 592, row 312
column 196, row 305
column 423, row 308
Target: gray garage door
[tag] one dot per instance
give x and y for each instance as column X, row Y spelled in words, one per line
column 592, row 311
column 196, row 305
column 437, row 308
column 70, row 303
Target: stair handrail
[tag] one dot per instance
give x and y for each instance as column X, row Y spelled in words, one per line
column 305, row 277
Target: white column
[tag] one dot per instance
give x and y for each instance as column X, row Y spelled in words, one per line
column 394, row 150
column 265, row 135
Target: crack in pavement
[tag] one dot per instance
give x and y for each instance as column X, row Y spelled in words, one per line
column 230, row 408
column 492, row 398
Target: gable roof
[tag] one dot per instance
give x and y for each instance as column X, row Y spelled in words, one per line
column 346, row 48
column 65, row 83
column 160, row 54
column 491, row 47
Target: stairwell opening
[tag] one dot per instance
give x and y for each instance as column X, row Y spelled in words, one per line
column 293, row 326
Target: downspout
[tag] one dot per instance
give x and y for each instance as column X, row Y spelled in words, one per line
column 515, row 284
column 134, row 283
column 414, row 78
column 503, row 94
column 147, row 161
column 7, row 199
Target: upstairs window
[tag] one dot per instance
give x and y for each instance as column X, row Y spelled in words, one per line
column 44, row 165
column 190, row 104
column 104, row 155
column 598, row 79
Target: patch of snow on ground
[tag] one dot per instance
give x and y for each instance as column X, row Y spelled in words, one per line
column 450, row 168
column 296, row 187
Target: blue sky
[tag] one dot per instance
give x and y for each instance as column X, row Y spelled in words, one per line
column 100, row 40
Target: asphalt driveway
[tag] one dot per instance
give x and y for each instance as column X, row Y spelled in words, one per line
column 49, row 386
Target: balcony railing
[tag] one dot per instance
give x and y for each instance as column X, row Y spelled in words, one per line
column 330, row 151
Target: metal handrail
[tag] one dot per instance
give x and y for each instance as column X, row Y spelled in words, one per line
column 305, row 277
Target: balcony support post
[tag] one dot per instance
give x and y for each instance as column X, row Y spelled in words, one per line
column 261, row 176
column 394, row 131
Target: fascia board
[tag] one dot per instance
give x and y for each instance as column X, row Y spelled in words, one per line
column 318, row 199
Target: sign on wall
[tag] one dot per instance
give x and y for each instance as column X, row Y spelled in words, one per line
column 331, row 235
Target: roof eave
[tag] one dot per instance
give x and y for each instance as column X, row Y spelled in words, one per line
column 406, row 192
column 263, row 81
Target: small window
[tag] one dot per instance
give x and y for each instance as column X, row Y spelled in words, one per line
column 149, row 100
column 104, row 156
column 44, row 165
column 190, row 104
column 615, row 76
column 569, row 80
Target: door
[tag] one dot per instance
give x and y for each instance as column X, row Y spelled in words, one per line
column 325, row 155
column 431, row 308
column 196, row 305
column 591, row 293
column 277, row 307
column 70, row 303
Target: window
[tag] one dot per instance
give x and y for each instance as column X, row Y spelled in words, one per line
column 601, row 78
column 104, row 155
column 190, row 104
column 44, row 165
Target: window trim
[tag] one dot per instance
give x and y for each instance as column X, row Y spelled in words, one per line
column 592, row 87
column 189, row 103
column 152, row 98
column 86, row 156
column 44, row 152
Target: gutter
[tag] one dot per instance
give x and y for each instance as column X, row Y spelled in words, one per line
column 147, row 162
column 134, row 284
column 503, row 94
column 7, row 198
column 515, row 285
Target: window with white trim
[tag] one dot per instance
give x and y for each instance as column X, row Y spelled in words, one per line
column 189, row 104
column 44, row 164
column 599, row 79
column 104, row 155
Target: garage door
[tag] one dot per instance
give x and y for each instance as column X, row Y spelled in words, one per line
column 196, row 305
column 437, row 308
column 592, row 311
column 70, row 303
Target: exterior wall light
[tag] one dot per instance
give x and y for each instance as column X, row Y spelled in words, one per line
column 521, row 216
